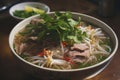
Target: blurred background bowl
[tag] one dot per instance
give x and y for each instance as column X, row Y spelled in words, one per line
column 21, row 6
column 73, row 74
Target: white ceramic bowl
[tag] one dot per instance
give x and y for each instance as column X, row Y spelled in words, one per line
column 74, row 74
column 21, row 6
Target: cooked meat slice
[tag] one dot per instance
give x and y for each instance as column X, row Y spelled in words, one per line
column 35, row 21
column 33, row 38
column 22, row 48
column 76, row 53
column 81, row 47
column 79, row 53
column 28, row 48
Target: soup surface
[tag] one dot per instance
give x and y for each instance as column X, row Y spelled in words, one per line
column 62, row 42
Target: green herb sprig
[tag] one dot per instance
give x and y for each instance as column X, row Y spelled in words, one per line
column 61, row 26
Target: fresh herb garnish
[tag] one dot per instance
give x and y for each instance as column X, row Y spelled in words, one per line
column 62, row 25
column 65, row 26
column 23, row 13
column 27, row 12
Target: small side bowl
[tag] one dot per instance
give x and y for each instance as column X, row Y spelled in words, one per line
column 73, row 74
column 21, row 6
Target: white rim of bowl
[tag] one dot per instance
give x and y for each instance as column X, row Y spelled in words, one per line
column 11, row 13
column 71, row 70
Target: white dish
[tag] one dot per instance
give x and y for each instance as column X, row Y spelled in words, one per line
column 74, row 74
column 21, row 6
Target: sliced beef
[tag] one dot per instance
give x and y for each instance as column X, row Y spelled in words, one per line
column 33, row 38
column 79, row 52
column 36, row 21
column 81, row 47
column 28, row 48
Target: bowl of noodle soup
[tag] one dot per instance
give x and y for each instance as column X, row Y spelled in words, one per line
column 63, row 45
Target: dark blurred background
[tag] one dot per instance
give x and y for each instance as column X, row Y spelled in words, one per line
column 106, row 8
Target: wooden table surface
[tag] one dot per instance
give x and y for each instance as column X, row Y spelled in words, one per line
column 9, row 70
